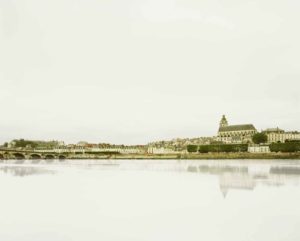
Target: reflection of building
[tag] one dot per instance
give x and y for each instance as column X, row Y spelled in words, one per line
column 235, row 133
column 242, row 176
column 237, row 181
column 279, row 135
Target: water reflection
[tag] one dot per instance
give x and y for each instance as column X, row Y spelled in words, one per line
column 285, row 170
column 232, row 175
column 23, row 171
column 248, row 176
column 126, row 200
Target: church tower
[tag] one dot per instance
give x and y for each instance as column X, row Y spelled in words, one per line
column 223, row 122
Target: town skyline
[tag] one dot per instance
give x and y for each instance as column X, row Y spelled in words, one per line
column 233, row 138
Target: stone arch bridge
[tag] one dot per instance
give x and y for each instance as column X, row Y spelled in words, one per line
column 32, row 155
column 19, row 154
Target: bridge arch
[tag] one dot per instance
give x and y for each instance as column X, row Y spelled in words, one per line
column 49, row 157
column 35, row 156
column 19, row 156
column 1, row 156
column 61, row 157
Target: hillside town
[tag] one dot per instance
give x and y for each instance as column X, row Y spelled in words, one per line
column 229, row 134
column 238, row 135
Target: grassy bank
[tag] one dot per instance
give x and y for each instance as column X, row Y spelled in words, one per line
column 207, row 156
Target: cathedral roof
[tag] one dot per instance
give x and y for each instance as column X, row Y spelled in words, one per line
column 246, row 127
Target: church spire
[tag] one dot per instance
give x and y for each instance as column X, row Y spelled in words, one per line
column 223, row 121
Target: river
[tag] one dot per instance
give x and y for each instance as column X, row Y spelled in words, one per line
column 150, row 200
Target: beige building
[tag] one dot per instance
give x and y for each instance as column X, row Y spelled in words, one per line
column 164, row 150
column 258, row 149
column 235, row 133
column 279, row 135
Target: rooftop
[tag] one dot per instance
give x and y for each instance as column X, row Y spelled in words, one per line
column 246, row 127
column 269, row 130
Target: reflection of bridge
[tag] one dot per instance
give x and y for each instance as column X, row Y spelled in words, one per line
column 22, row 171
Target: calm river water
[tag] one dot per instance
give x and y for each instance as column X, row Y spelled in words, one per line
column 150, row 200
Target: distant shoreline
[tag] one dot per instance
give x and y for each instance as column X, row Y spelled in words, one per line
column 209, row 156
column 187, row 156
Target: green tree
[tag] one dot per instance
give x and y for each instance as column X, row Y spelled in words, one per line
column 285, row 147
column 192, row 148
column 223, row 148
column 24, row 143
column 259, row 138
column 204, row 148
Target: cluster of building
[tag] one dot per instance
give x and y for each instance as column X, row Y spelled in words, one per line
column 228, row 134
column 177, row 145
column 80, row 147
column 279, row 135
column 84, row 147
column 243, row 133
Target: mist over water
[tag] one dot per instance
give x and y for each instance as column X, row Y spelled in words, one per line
column 149, row 200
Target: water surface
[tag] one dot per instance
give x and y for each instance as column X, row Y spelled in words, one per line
column 149, row 200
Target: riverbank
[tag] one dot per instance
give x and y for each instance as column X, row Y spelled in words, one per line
column 187, row 156
column 201, row 156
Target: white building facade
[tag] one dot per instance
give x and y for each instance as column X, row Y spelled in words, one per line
column 276, row 135
column 258, row 149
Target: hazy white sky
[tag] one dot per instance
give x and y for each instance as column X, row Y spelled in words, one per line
column 140, row 70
